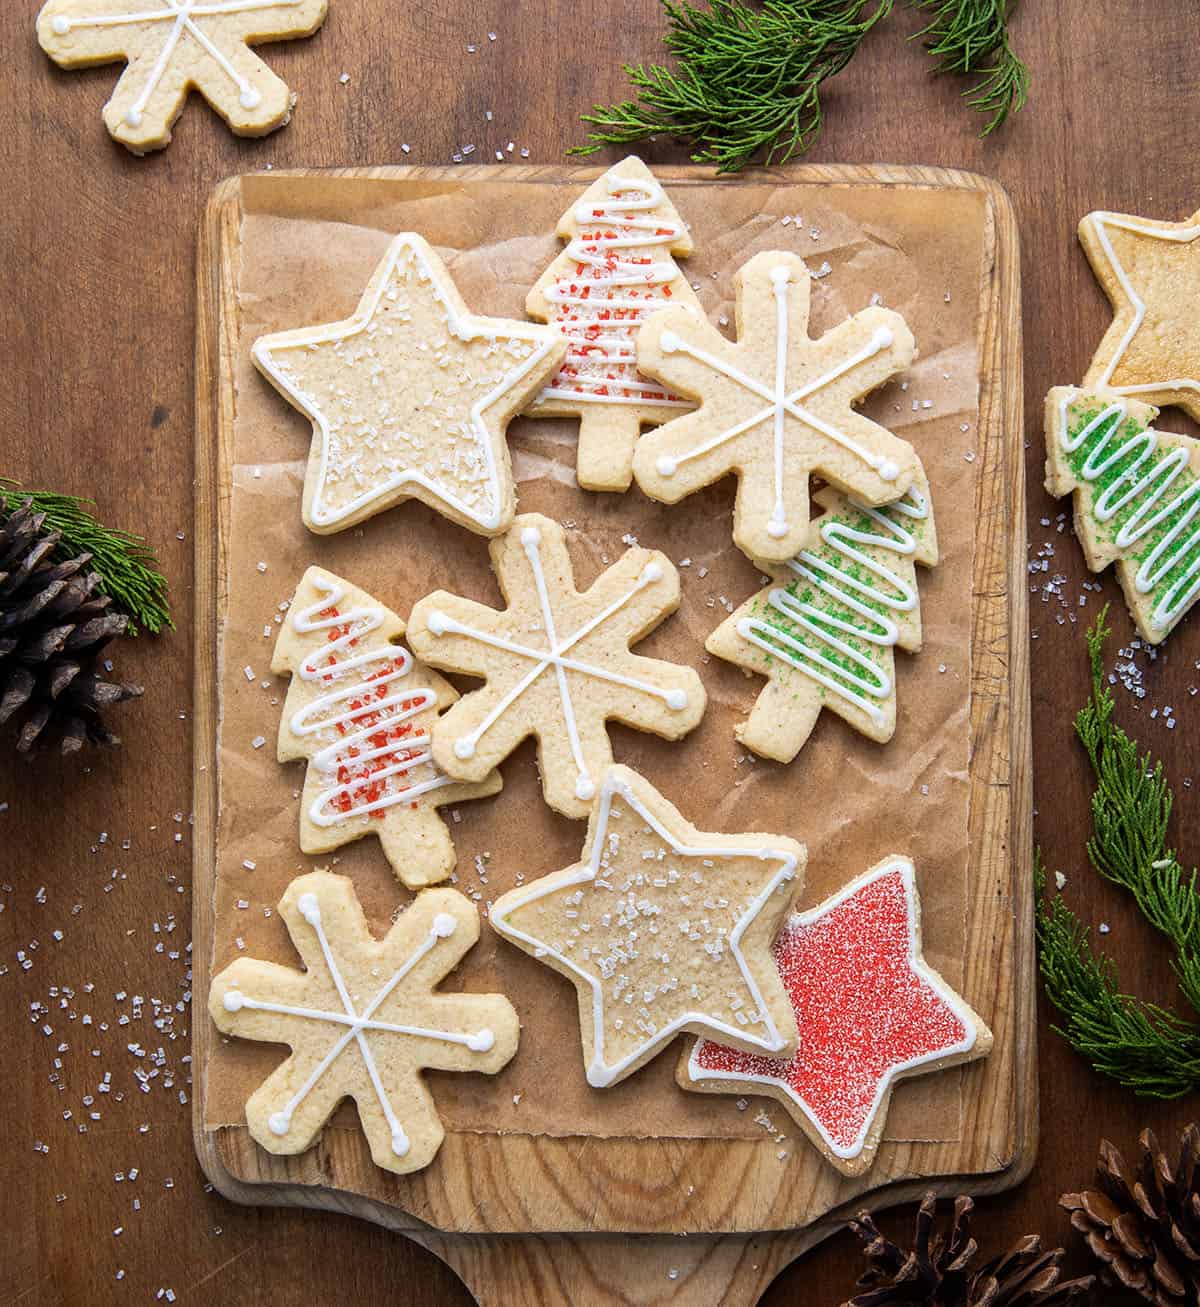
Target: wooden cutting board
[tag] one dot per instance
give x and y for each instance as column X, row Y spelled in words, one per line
column 568, row 1198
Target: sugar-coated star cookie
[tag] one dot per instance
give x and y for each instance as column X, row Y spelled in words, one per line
column 824, row 632
column 870, row 1012
column 556, row 662
column 1151, row 272
column 615, row 271
column 410, row 398
column 171, row 46
column 775, row 407
column 360, row 709
column 662, row 928
column 363, row 1020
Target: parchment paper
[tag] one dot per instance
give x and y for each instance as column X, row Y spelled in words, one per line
column 308, row 248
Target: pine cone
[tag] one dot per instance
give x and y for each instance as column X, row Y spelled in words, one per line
column 938, row 1271
column 54, row 623
column 1145, row 1228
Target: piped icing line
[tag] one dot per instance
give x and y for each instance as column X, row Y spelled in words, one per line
column 358, row 1023
column 403, row 249
column 709, row 1061
column 839, row 582
column 607, row 227
column 1100, row 223
column 441, row 624
column 1142, row 490
column 602, row 1073
column 780, row 403
column 383, row 715
column 182, row 14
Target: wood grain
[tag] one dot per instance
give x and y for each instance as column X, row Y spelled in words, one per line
column 507, row 1183
column 96, row 337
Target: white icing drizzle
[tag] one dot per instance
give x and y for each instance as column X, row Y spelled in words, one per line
column 182, row 15
column 1183, row 235
column 489, row 511
column 587, row 301
column 602, row 1073
column 358, row 1024
column 780, row 403
column 385, row 714
column 1147, row 480
column 867, row 690
column 555, row 656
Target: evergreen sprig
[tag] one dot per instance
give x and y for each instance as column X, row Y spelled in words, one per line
column 970, row 37
column 748, row 79
column 126, row 564
column 1153, row 1050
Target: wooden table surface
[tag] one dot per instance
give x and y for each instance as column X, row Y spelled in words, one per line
column 96, row 333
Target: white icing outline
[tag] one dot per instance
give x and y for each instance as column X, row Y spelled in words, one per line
column 616, row 213
column 458, row 325
column 1100, row 223
column 601, row 1074
column 838, row 583
column 181, row 13
column 780, row 403
column 440, row 624
column 919, row 966
column 1151, row 488
column 420, row 700
column 309, row 906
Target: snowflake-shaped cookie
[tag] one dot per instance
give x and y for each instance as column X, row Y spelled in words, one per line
column 363, row 1020
column 661, row 928
column 359, row 709
column 172, row 46
column 774, row 408
column 556, row 662
column 410, row 397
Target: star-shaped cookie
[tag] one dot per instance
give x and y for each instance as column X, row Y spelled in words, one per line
column 661, row 928
column 363, row 1020
column 410, row 397
column 870, row 1011
column 171, row 46
column 1150, row 271
column 775, row 407
column 557, row 663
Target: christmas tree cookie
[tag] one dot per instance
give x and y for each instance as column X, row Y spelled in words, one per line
column 870, row 1012
column 661, row 928
column 825, row 630
column 556, row 662
column 775, row 407
column 1151, row 272
column 363, row 1020
column 360, row 709
column 410, row 398
column 616, row 269
column 171, row 46
column 1137, row 499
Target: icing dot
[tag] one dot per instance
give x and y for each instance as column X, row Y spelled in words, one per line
column 61, row 25
column 133, row 117
column 585, row 788
column 884, row 337
column 250, row 98
column 780, row 276
column 310, row 909
column 666, row 466
column 483, row 1042
column 234, row 1001
column 464, row 748
column 652, row 572
column 776, row 528
column 669, row 342
column 677, row 699
column 400, row 1144
column 444, row 925
column 439, row 623
column 888, row 470
column 279, row 1123
column 531, row 537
